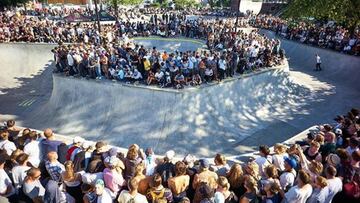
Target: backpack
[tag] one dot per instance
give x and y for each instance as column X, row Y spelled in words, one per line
column 157, row 196
column 70, row 151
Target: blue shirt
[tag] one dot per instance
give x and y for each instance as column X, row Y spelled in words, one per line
column 121, row 74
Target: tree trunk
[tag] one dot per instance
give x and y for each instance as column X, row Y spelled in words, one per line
column 116, row 8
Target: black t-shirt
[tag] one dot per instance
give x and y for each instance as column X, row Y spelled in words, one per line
column 166, row 170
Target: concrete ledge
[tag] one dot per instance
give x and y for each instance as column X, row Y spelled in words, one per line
column 284, row 67
column 231, row 159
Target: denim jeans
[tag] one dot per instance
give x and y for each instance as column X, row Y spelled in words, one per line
column 98, row 71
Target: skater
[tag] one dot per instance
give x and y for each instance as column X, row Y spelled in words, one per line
column 318, row 63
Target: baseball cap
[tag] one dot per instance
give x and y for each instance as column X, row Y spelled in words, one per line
column 338, row 131
column 78, row 139
column 112, row 160
column 291, row 162
column 333, row 159
column 113, row 151
column 87, row 144
column 100, row 182
column 149, row 151
column 170, row 154
column 204, row 163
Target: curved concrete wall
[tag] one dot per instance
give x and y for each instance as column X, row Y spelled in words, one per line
column 19, row 60
column 201, row 121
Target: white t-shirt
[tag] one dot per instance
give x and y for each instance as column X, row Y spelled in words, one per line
column 125, row 197
column 319, row 195
column 105, row 197
column 219, row 197
column 34, row 189
column 90, row 178
column 70, row 60
column 159, row 75
column 262, row 162
column 318, row 59
column 278, row 160
column 298, row 195
column 33, row 150
column 287, row 179
column 5, row 182
column 222, row 64
column 19, row 174
column 335, row 185
column 8, row 146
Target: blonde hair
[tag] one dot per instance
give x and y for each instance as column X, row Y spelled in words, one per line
column 132, row 153
column 223, row 182
column 315, row 144
column 320, row 139
column 235, row 176
column 69, row 170
column 251, row 183
column 316, row 167
column 254, row 169
column 4, row 134
column 279, row 148
column 14, row 155
column 271, row 171
column 321, row 181
column 139, row 169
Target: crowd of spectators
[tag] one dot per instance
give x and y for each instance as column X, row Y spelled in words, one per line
column 323, row 168
column 108, row 55
column 133, row 63
column 326, row 35
column 230, row 52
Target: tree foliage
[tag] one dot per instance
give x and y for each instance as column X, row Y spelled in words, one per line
column 219, row 3
column 7, row 3
column 185, row 3
column 346, row 12
column 124, row 2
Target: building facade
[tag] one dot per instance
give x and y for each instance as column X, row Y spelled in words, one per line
column 77, row 2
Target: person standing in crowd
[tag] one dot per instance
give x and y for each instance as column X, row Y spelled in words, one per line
column 158, row 192
column 32, row 186
column 49, row 143
column 19, row 171
column 302, row 191
column 318, row 63
column 54, row 167
column 72, row 181
column 5, row 144
column 32, row 148
column 7, row 189
column 132, row 194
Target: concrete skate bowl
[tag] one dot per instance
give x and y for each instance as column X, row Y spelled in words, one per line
column 340, row 72
column 171, row 44
column 231, row 118
column 225, row 118
column 25, row 79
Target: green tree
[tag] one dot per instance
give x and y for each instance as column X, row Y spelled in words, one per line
column 124, row 2
column 115, row 4
column 185, row 3
column 219, row 3
column 7, row 3
column 345, row 12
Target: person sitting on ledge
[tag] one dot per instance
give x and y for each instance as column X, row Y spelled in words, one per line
column 179, row 80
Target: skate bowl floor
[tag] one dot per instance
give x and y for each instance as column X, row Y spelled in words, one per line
column 230, row 118
column 171, row 44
